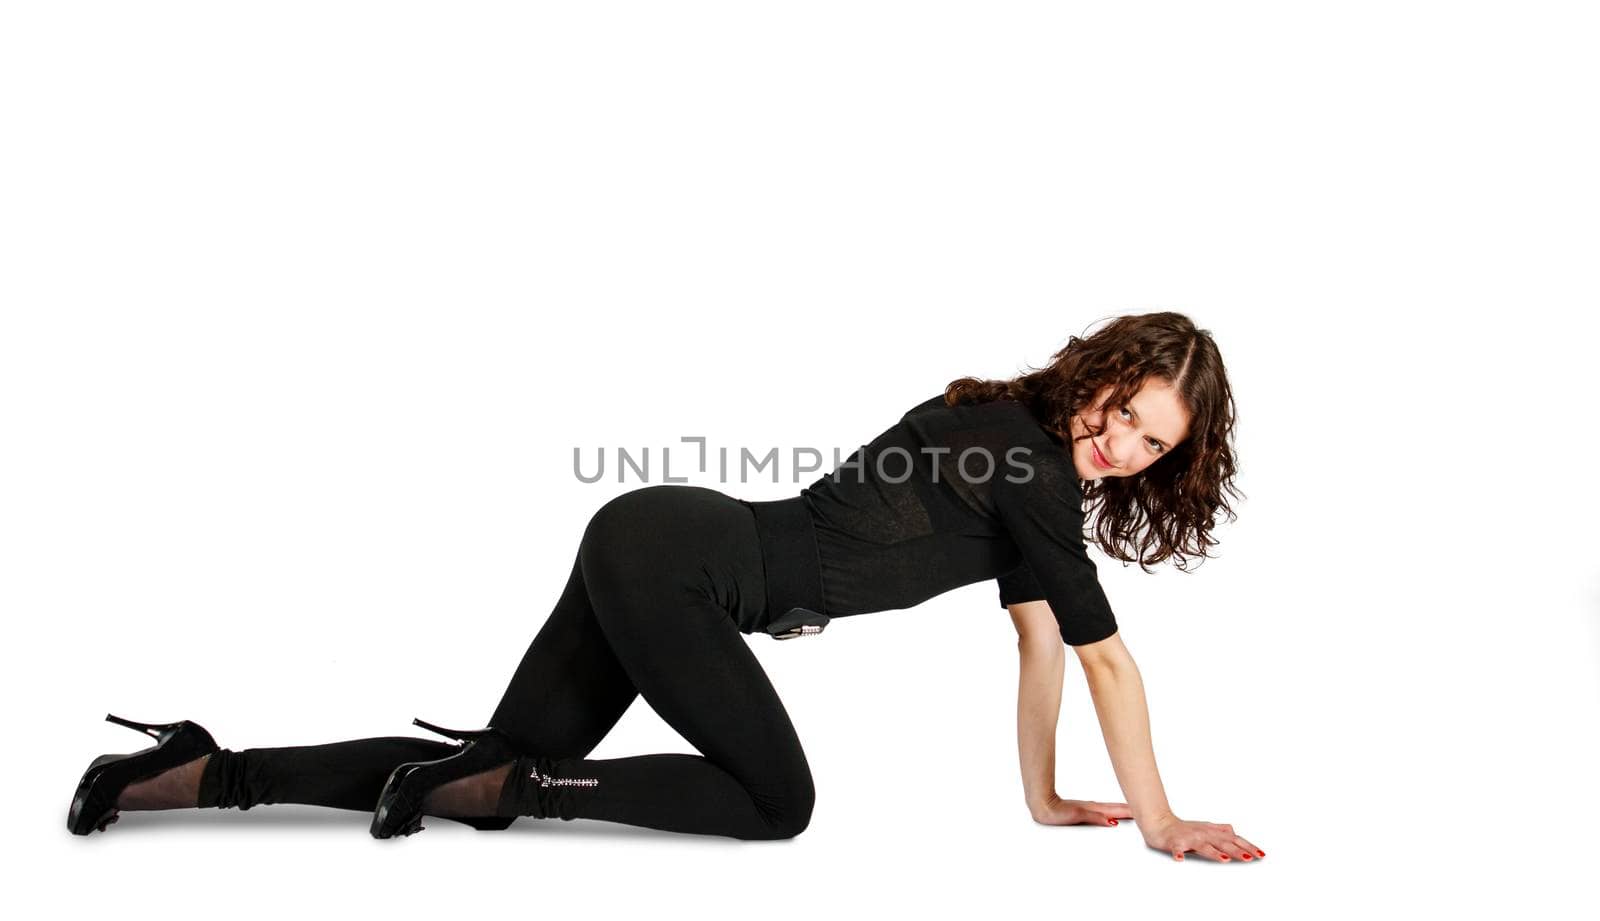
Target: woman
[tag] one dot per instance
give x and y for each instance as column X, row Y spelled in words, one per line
column 985, row 481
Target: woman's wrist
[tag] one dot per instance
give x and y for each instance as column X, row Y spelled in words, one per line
column 1153, row 820
column 1040, row 803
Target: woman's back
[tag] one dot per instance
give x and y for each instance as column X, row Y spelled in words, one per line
column 952, row 495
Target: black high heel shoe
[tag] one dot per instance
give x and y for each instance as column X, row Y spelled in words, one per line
column 399, row 809
column 94, row 803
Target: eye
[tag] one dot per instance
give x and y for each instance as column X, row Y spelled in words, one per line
column 1149, row 441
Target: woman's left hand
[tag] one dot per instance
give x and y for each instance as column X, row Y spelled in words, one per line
column 1058, row 811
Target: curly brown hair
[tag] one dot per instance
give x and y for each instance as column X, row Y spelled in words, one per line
column 1169, row 508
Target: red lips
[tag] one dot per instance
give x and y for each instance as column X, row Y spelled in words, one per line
column 1099, row 458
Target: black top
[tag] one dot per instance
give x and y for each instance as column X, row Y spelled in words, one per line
column 904, row 519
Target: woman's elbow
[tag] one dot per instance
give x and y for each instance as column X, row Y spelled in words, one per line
column 1036, row 625
column 1104, row 655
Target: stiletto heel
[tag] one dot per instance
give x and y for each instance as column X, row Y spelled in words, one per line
column 481, row 823
column 399, row 809
column 155, row 729
column 94, row 802
column 460, row 735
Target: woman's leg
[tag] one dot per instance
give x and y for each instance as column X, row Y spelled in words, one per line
column 565, row 696
column 645, row 610
column 569, row 690
column 339, row 775
column 657, row 569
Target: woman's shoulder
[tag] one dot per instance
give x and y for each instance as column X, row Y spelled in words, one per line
column 1023, row 447
column 931, row 403
column 1009, row 410
column 1007, row 416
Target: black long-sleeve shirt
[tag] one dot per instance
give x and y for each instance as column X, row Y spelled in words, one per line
column 902, row 520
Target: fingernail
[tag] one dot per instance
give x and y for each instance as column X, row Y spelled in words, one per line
column 1245, row 856
column 1225, row 857
column 1261, row 853
column 1112, row 821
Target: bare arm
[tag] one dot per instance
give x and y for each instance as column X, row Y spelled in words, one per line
column 1119, row 700
column 1043, row 665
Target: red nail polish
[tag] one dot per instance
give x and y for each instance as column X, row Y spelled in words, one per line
column 1245, row 856
column 1261, row 853
column 1224, row 856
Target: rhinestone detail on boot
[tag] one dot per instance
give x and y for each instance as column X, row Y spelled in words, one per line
column 549, row 780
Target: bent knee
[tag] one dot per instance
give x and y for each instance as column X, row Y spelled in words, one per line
column 795, row 816
column 790, row 829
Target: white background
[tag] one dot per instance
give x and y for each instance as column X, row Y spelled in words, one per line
column 306, row 306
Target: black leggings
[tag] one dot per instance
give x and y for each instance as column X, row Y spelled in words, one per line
column 664, row 576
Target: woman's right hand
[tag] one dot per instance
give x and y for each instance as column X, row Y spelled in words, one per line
column 1207, row 839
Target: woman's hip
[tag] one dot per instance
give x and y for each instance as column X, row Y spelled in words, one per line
column 674, row 545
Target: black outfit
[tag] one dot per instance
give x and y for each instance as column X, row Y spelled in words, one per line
column 666, row 580
column 907, row 518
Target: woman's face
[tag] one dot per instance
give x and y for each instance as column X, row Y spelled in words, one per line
column 1137, row 434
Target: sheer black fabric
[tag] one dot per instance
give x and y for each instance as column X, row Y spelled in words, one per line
column 952, row 495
